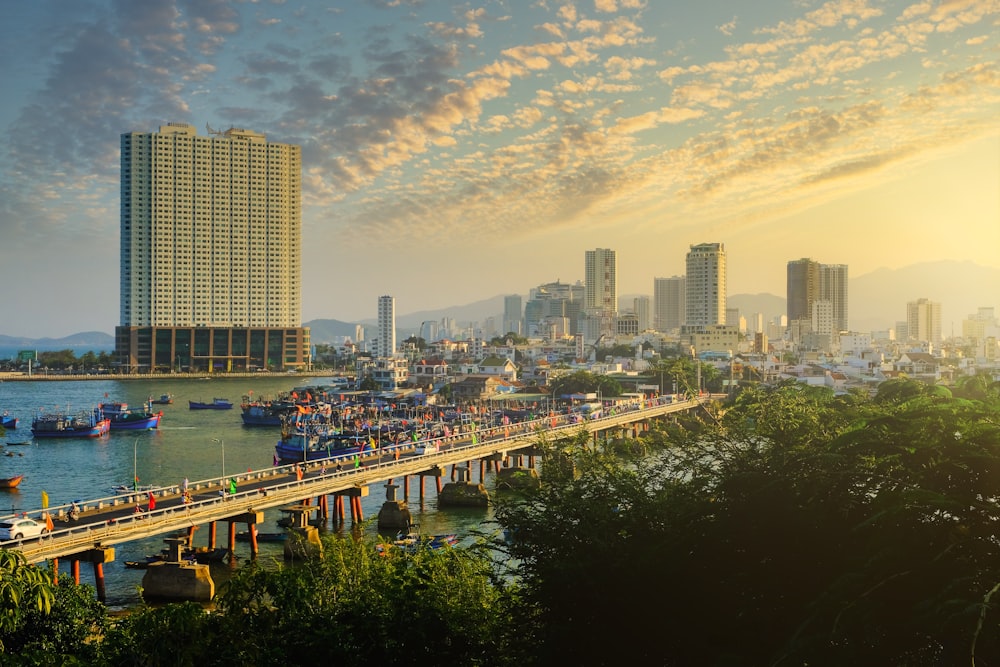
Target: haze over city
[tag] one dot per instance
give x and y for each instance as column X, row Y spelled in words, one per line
column 453, row 152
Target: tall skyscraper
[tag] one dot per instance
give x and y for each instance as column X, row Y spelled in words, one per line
column 640, row 305
column 669, row 303
column 808, row 282
column 601, row 281
column 802, row 288
column 923, row 321
column 210, row 251
column 512, row 314
column 386, row 327
column 706, row 285
column 833, row 288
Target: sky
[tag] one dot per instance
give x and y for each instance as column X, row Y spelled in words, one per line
column 455, row 151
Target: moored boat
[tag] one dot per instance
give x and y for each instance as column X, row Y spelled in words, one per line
column 8, row 421
column 60, row 425
column 10, row 482
column 244, row 536
column 164, row 399
column 266, row 411
column 215, row 404
column 125, row 419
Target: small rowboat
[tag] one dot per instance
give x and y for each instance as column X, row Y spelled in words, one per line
column 10, row 482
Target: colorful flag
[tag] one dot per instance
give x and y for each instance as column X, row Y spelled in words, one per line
column 232, row 485
column 45, row 500
column 152, row 502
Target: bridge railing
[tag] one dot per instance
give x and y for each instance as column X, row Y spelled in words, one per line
column 471, row 438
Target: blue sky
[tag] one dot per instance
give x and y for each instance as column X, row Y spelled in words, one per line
column 456, row 151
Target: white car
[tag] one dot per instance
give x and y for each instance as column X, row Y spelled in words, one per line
column 426, row 449
column 15, row 529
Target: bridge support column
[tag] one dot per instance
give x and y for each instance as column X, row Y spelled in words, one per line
column 254, row 549
column 482, row 470
column 439, row 485
column 190, row 536
column 75, row 567
column 55, row 570
column 99, row 582
column 211, row 535
column 232, row 537
column 406, row 487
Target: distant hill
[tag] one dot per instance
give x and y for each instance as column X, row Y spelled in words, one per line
column 878, row 299
column 325, row 332
column 88, row 339
column 769, row 305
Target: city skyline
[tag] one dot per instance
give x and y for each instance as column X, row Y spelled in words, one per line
column 455, row 152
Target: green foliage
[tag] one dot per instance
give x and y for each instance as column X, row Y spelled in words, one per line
column 65, row 633
column 583, row 382
column 353, row 606
column 23, row 587
column 799, row 527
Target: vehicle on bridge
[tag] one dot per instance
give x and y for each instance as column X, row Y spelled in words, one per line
column 15, row 529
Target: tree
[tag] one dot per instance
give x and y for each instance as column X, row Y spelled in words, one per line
column 584, row 382
column 22, row 587
column 799, row 527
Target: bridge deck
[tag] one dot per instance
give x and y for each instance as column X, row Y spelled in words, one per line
column 112, row 520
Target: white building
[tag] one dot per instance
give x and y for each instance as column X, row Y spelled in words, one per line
column 669, row 303
column 923, row 321
column 706, row 285
column 210, row 265
column 386, row 346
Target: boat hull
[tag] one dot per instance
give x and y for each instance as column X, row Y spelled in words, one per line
column 217, row 404
column 8, row 422
column 65, row 429
column 137, row 423
column 10, row 482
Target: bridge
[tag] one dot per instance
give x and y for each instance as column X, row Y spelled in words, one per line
column 103, row 522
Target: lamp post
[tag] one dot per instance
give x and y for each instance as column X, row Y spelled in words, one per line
column 730, row 392
column 223, row 445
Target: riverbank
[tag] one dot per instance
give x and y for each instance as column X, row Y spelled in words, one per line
column 41, row 377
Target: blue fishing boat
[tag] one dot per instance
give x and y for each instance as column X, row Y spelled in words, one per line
column 90, row 424
column 8, row 421
column 267, row 411
column 125, row 419
column 215, row 404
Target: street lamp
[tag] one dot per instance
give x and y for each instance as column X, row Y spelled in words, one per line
column 223, row 444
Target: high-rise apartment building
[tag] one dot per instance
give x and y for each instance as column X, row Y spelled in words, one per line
column 386, row 346
column 923, row 321
column 705, row 286
column 512, row 314
column 641, row 307
column 210, row 252
column 601, row 281
column 669, row 303
column 809, row 281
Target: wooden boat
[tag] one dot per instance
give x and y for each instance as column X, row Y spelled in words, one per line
column 215, row 404
column 164, row 399
column 8, row 421
column 19, row 444
column 10, row 482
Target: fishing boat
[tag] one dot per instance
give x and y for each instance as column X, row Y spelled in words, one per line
column 18, row 444
column 90, row 424
column 411, row 542
column 215, row 404
column 164, row 399
column 8, row 421
column 266, row 411
column 124, row 418
column 10, row 482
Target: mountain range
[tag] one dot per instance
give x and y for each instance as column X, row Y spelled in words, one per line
column 877, row 300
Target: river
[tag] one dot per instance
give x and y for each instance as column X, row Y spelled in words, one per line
column 196, row 444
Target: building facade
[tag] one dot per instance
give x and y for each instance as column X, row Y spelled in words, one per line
column 601, row 281
column 705, row 302
column 808, row 282
column 512, row 312
column 210, row 264
column 669, row 303
column 386, row 346
column 923, row 321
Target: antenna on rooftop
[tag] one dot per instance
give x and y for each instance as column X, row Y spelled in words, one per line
column 208, row 128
